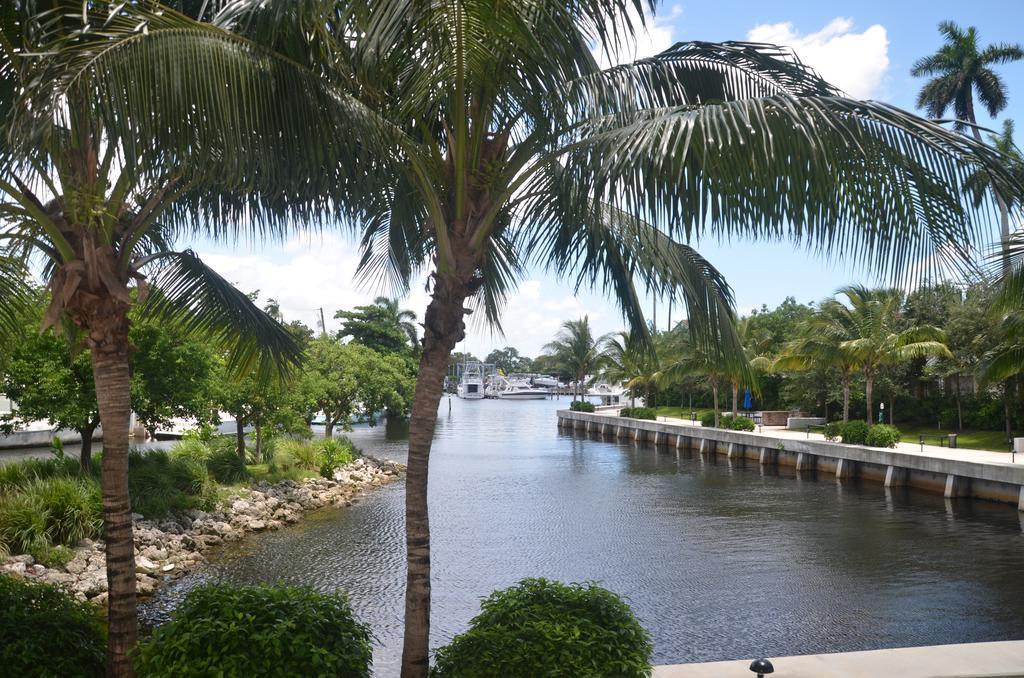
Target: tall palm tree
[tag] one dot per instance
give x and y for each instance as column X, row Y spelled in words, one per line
column 474, row 138
column 402, row 318
column 870, row 329
column 87, row 201
column 957, row 70
column 577, row 352
column 683, row 358
column 821, row 343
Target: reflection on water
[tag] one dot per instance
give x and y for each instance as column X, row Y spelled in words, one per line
column 719, row 560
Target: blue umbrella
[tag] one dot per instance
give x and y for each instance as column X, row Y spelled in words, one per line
column 748, row 402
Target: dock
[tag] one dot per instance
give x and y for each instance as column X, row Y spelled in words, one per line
column 991, row 476
column 1003, row 659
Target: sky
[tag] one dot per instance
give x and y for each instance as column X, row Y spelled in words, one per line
column 866, row 48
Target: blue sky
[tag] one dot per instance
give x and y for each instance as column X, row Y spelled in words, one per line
column 866, row 47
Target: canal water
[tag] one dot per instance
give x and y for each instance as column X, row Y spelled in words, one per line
column 718, row 560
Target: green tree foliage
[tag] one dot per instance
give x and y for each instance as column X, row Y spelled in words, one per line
column 381, row 326
column 577, row 353
column 258, row 631
column 545, row 628
column 44, row 631
column 346, row 380
column 508, row 360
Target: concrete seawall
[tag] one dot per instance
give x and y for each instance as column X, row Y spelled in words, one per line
column 993, row 481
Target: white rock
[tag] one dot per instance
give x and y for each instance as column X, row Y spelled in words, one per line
column 144, row 565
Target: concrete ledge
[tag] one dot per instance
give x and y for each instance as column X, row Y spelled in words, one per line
column 972, row 660
column 800, row 423
column 953, row 477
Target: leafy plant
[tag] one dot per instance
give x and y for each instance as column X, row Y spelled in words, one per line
column 49, row 511
column 302, row 455
column 855, row 432
column 226, row 467
column 17, row 475
column 44, row 631
column 258, row 631
column 581, row 406
column 546, row 628
column 334, row 452
column 639, row 413
column 833, row 431
column 707, row 419
column 883, row 435
column 191, row 448
column 736, row 423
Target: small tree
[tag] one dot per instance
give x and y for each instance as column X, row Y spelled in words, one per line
column 577, row 352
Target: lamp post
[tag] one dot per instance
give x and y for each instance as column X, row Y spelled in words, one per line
column 881, row 413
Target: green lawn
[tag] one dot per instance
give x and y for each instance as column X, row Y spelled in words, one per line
column 974, row 440
column 680, row 412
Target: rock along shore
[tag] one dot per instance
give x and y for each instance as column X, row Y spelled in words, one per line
column 165, row 549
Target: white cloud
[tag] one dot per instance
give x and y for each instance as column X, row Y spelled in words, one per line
column 308, row 272
column 652, row 36
column 855, row 62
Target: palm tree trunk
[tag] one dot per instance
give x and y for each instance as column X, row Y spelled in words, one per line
column 240, row 438
column 869, row 383
column 443, row 329
column 1004, row 213
column 714, row 396
column 113, row 393
column 846, row 398
column 85, row 452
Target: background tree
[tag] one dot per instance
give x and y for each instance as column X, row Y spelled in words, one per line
column 957, row 70
column 380, row 326
column 577, row 352
column 626, row 360
column 508, row 360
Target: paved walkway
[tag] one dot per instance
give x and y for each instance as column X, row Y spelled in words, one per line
column 972, row 660
column 958, row 454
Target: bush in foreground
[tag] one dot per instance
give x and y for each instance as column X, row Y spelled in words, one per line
column 44, row 631
column 49, row 512
column 545, row 628
column 736, row 422
column 227, row 467
column 639, row 413
column 833, row 431
column 581, row 406
column 708, row 419
column 883, row 435
column 258, row 631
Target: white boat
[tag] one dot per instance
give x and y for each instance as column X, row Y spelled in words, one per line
column 545, row 381
column 522, row 390
column 471, row 382
column 611, row 394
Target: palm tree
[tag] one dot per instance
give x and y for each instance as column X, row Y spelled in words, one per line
column 402, row 318
column 473, row 139
column 685, row 358
column 627, row 360
column 870, row 330
column 957, row 70
column 87, row 199
column 577, row 352
column 821, row 344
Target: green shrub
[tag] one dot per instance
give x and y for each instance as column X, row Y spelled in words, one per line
column 258, row 631
column 883, row 435
column 44, row 631
column 707, row 419
column 18, row 474
column 48, row 512
column 735, row 423
column 152, row 484
column 191, row 448
column 855, row 432
column 53, row 556
column 545, row 628
column 581, row 406
column 226, row 467
column 189, row 475
column 833, row 431
column 334, row 453
column 301, row 454
column 639, row 413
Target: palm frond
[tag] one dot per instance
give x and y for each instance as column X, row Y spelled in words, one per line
column 16, row 296
column 193, row 296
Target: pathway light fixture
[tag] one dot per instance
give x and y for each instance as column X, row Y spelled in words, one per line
column 761, row 667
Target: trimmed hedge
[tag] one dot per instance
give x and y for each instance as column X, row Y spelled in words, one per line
column 545, row 628
column 708, row 419
column 736, row 422
column 833, row 431
column 639, row 413
column 581, row 406
column 258, row 631
column 44, row 631
column 855, row 432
